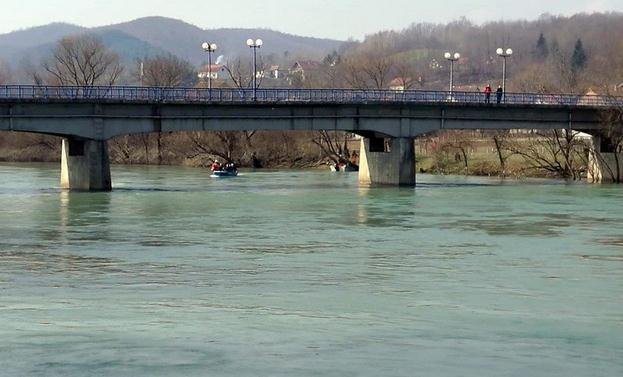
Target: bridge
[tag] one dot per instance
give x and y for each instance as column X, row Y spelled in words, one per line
column 86, row 117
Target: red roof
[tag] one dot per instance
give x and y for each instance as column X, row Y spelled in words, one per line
column 399, row 81
column 215, row 68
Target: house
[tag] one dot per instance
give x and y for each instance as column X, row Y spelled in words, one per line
column 400, row 84
column 218, row 71
column 588, row 98
column 304, row 69
column 274, row 72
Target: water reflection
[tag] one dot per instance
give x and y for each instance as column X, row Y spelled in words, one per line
column 65, row 216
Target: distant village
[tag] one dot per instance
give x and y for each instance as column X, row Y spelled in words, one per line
column 294, row 75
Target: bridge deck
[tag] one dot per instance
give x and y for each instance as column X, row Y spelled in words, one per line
column 29, row 93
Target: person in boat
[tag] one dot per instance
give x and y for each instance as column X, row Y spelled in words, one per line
column 216, row 166
column 231, row 167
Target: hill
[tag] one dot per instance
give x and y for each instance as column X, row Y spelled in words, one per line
column 184, row 40
column 151, row 35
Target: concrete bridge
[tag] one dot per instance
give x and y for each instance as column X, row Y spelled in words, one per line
column 86, row 117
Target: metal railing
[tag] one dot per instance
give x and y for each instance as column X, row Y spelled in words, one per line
column 323, row 96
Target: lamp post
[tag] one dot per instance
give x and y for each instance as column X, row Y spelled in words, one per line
column 504, row 54
column 452, row 58
column 254, row 45
column 209, row 48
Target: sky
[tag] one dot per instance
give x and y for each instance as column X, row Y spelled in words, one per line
column 338, row 19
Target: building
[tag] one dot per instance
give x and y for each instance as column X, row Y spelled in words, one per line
column 302, row 70
column 218, row 72
column 400, row 84
column 275, row 72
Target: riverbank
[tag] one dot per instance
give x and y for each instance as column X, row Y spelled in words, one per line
column 461, row 153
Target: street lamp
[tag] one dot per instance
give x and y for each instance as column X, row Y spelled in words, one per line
column 452, row 58
column 254, row 45
column 209, row 48
column 504, row 54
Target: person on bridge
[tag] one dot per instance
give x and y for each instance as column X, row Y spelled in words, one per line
column 488, row 93
column 499, row 93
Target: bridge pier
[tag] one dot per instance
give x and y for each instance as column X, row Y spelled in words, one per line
column 387, row 162
column 604, row 164
column 85, row 165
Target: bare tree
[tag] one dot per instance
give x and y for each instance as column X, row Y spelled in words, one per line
column 502, row 142
column 5, row 73
column 167, row 71
column 557, row 152
column 461, row 143
column 82, row 61
column 240, row 72
column 368, row 71
column 229, row 146
column 334, row 145
column 163, row 71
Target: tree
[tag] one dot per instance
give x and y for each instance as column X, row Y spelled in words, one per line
column 562, row 69
column 502, row 142
column 5, row 73
column 163, row 71
column 229, row 146
column 167, row 71
column 541, row 51
column 579, row 57
column 461, row 144
column 240, row 73
column 334, row 145
column 82, row 61
column 556, row 152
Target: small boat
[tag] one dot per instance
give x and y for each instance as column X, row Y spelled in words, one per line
column 224, row 173
column 344, row 168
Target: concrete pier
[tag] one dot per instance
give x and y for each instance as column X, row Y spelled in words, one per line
column 85, row 165
column 387, row 161
column 604, row 165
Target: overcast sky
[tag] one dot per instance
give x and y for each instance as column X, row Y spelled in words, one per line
column 339, row 19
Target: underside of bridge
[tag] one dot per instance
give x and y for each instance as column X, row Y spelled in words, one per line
column 85, row 164
column 389, row 161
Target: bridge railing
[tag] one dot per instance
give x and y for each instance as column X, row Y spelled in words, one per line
column 235, row 95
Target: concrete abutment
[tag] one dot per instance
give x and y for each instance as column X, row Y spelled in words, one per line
column 387, row 162
column 604, row 164
column 85, row 165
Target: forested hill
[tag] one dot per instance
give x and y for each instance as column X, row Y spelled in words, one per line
column 550, row 54
column 157, row 34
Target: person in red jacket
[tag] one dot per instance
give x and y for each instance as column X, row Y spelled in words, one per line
column 216, row 166
column 488, row 93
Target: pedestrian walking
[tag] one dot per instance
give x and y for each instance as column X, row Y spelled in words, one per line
column 488, row 93
column 499, row 93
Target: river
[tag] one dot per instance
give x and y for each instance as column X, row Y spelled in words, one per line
column 303, row 273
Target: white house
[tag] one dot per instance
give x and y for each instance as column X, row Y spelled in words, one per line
column 218, row 71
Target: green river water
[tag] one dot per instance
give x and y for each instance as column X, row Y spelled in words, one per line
column 303, row 273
